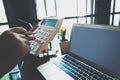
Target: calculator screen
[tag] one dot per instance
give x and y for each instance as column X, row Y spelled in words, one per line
column 49, row 22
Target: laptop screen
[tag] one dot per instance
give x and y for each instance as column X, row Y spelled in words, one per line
column 49, row 22
column 100, row 46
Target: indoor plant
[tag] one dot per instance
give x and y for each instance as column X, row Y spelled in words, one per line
column 64, row 43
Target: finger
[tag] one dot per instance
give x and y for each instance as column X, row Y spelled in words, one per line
column 27, row 42
column 18, row 30
column 35, row 27
column 28, row 37
column 29, row 33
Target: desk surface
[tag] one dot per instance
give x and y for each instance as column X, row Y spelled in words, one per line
column 29, row 69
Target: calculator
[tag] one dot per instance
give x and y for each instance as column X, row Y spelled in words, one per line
column 45, row 32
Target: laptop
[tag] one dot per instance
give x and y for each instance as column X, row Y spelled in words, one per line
column 94, row 54
column 44, row 33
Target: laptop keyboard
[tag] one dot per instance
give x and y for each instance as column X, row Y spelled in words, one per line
column 79, row 70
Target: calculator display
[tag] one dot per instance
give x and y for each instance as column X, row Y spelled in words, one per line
column 49, row 22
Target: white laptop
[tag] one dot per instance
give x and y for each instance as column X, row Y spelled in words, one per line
column 94, row 54
column 46, row 31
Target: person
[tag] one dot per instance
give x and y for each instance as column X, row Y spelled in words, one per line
column 14, row 45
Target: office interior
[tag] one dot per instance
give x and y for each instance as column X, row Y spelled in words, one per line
column 103, row 12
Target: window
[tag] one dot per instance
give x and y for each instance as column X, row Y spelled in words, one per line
column 50, row 5
column 40, row 6
column 2, row 13
column 117, row 5
column 75, row 11
column 66, row 8
column 86, row 9
column 3, row 18
column 115, row 13
column 45, row 8
column 82, row 7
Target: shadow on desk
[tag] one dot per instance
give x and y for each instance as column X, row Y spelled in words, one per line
column 29, row 69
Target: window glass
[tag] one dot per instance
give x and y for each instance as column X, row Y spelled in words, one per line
column 117, row 6
column 90, row 7
column 86, row 7
column 2, row 13
column 116, row 16
column 40, row 7
column 50, row 8
column 117, row 9
column 81, row 7
column 93, row 6
column 92, row 20
column 66, row 8
column 112, row 3
column 110, row 20
column 116, row 19
column 82, row 20
column 88, row 10
column 89, row 20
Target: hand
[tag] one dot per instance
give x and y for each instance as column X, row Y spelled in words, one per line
column 16, row 41
column 14, row 45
